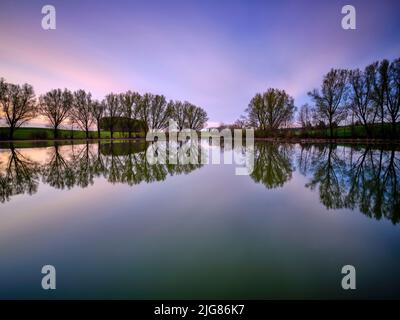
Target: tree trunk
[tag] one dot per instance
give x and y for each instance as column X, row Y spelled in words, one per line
column 98, row 132
column 382, row 122
column 11, row 133
column 394, row 127
column 331, row 130
column 55, row 132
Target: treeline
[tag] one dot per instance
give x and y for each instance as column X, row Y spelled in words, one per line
column 369, row 98
column 127, row 112
column 344, row 177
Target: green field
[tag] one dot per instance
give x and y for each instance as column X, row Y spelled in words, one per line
column 355, row 132
column 48, row 134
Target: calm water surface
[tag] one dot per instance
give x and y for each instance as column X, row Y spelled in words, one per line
column 115, row 226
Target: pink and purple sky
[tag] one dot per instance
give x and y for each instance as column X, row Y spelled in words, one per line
column 215, row 53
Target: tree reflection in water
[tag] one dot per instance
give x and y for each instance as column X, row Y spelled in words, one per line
column 18, row 174
column 77, row 165
column 354, row 177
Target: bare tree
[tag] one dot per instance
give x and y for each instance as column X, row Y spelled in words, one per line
column 178, row 113
column 18, row 104
column 144, row 111
column 393, row 94
column 271, row 110
column 55, row 105
column 241, row 123
column 154, row 111
column 187, row 115
column 97, row 110
column 159, row 112
column 130, row 102
column 196, row 117
column 330, row 103
column 378, row 75
column 113, row 110
column 82, row 110
column 361, row 94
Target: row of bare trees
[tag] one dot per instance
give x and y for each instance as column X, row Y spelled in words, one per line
column 19, row 105
column 367, row 97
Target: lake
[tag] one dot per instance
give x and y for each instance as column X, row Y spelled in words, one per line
column 115, row 226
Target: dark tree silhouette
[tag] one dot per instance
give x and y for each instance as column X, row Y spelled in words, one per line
column 305, row 116
column 330, row 103
column 97, row 110
column 81, row 110
column 356, row 178
column 59, row 171
column 20, row 175
column 159, row 112
column 154, row 112
column 378, row 74
column 130, row 102
column 196, row 117
column 393, row 94
column 178, row 113
column 17, row 103
column 361, row 98
column 187, row 115
column 328, row 173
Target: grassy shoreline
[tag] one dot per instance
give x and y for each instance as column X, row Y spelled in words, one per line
column 28, row 134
